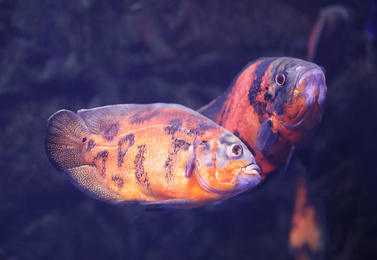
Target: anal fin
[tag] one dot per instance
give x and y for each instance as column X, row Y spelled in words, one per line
column 266, row 138
column 166, row 204
column 87, row 179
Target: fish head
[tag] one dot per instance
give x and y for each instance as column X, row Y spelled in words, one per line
column 296, row 96
column 225, row 166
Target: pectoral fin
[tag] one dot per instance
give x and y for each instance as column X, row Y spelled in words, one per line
column 192, row 160
column 266, row 138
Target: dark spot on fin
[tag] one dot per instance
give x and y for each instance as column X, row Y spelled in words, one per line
column 141, row 117
column 110, row 131
column 192, row 160
column 265, row 138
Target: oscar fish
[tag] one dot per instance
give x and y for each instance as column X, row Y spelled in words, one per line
column 274, row 106
column 165, row 155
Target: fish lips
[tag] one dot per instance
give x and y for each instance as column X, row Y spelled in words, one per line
column 249, row 177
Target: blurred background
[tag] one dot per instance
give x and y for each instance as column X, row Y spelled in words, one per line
column 77, row 54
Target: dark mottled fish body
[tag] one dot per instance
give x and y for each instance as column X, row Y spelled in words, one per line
column 274, row 106
column 162, row 154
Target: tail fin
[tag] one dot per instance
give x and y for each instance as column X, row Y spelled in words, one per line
column 65, row 138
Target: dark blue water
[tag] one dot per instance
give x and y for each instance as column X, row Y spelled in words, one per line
column 82, row 54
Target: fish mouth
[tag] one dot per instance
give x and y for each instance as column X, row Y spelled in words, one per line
column 314, row 93
column 251, row 170
column 314, row 87
column 248, row 177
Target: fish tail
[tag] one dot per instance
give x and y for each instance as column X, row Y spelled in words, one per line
column 66, row 137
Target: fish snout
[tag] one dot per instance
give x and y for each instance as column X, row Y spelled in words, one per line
column 311, row 87
column 249, row 177
column 314, row 90
column 251, row 170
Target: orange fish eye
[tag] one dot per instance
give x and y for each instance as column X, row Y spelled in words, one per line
column 235, row 151
column 280, row 79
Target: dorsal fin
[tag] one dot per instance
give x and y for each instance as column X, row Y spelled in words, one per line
column 212, row 109
column 97, row 119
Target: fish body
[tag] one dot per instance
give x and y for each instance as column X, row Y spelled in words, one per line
column 274, row 106
column 162, row 154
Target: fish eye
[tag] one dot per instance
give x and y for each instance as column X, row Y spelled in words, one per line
column 280, row 79
column 235, row 151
